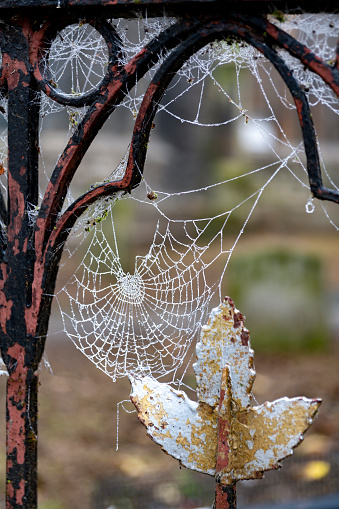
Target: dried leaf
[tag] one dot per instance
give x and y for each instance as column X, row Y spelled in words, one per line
column 315, row 470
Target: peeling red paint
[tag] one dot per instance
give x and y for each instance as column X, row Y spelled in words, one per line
column 19, row 427
column 32, row 313
column 223, row 426
column 20, row 493
column 17, row 205
column 305, row 55
column 16, row 433
column 245, row 337
column 299, row 106
column 18, row 352
column 131, row 66
column 16, row 249
column 5, row 304
column 238, row 319
column 12, row 72
column 228, row 299
column 10, row 492
column 5, row 311
column 225, row 496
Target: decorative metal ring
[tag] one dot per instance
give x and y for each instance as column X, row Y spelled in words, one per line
column 44, row 77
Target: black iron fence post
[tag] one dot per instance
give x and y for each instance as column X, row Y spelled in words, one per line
column 19, row 349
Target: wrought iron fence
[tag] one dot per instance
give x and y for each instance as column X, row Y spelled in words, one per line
column 30, row 252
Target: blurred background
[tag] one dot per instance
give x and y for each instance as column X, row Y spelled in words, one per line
column 283, row 276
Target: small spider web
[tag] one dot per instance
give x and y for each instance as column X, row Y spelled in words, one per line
column 143, row 321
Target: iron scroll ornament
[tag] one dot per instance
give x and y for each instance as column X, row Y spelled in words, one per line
column 187, row 37
column 180, row 40
column 195, row 34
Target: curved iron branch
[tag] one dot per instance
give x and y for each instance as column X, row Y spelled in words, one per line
column 98, row 113
column 200, row 37
column 330, row 74
column 305, row 118
column 207, row 33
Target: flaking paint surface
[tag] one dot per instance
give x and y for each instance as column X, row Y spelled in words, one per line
column 224, row 340
column 222, row 428
column 261, row 436
column 183, row 428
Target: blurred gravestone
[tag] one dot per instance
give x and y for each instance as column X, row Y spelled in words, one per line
column 282, row 294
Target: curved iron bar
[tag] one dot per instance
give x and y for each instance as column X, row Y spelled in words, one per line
column 305, row 120
column 329, row 74
column 44, row 77
column 93, row 120
column 300, row 99
column 48, row 251
column 208, row 32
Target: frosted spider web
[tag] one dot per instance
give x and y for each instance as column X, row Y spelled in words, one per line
column 144, row 321
column 143, row 318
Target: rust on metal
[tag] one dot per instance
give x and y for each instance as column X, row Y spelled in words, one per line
column 225, row 495
column 222, row 434
column 21, row 433
column 330, row 74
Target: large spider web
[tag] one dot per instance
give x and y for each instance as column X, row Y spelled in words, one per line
column 142, row 317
